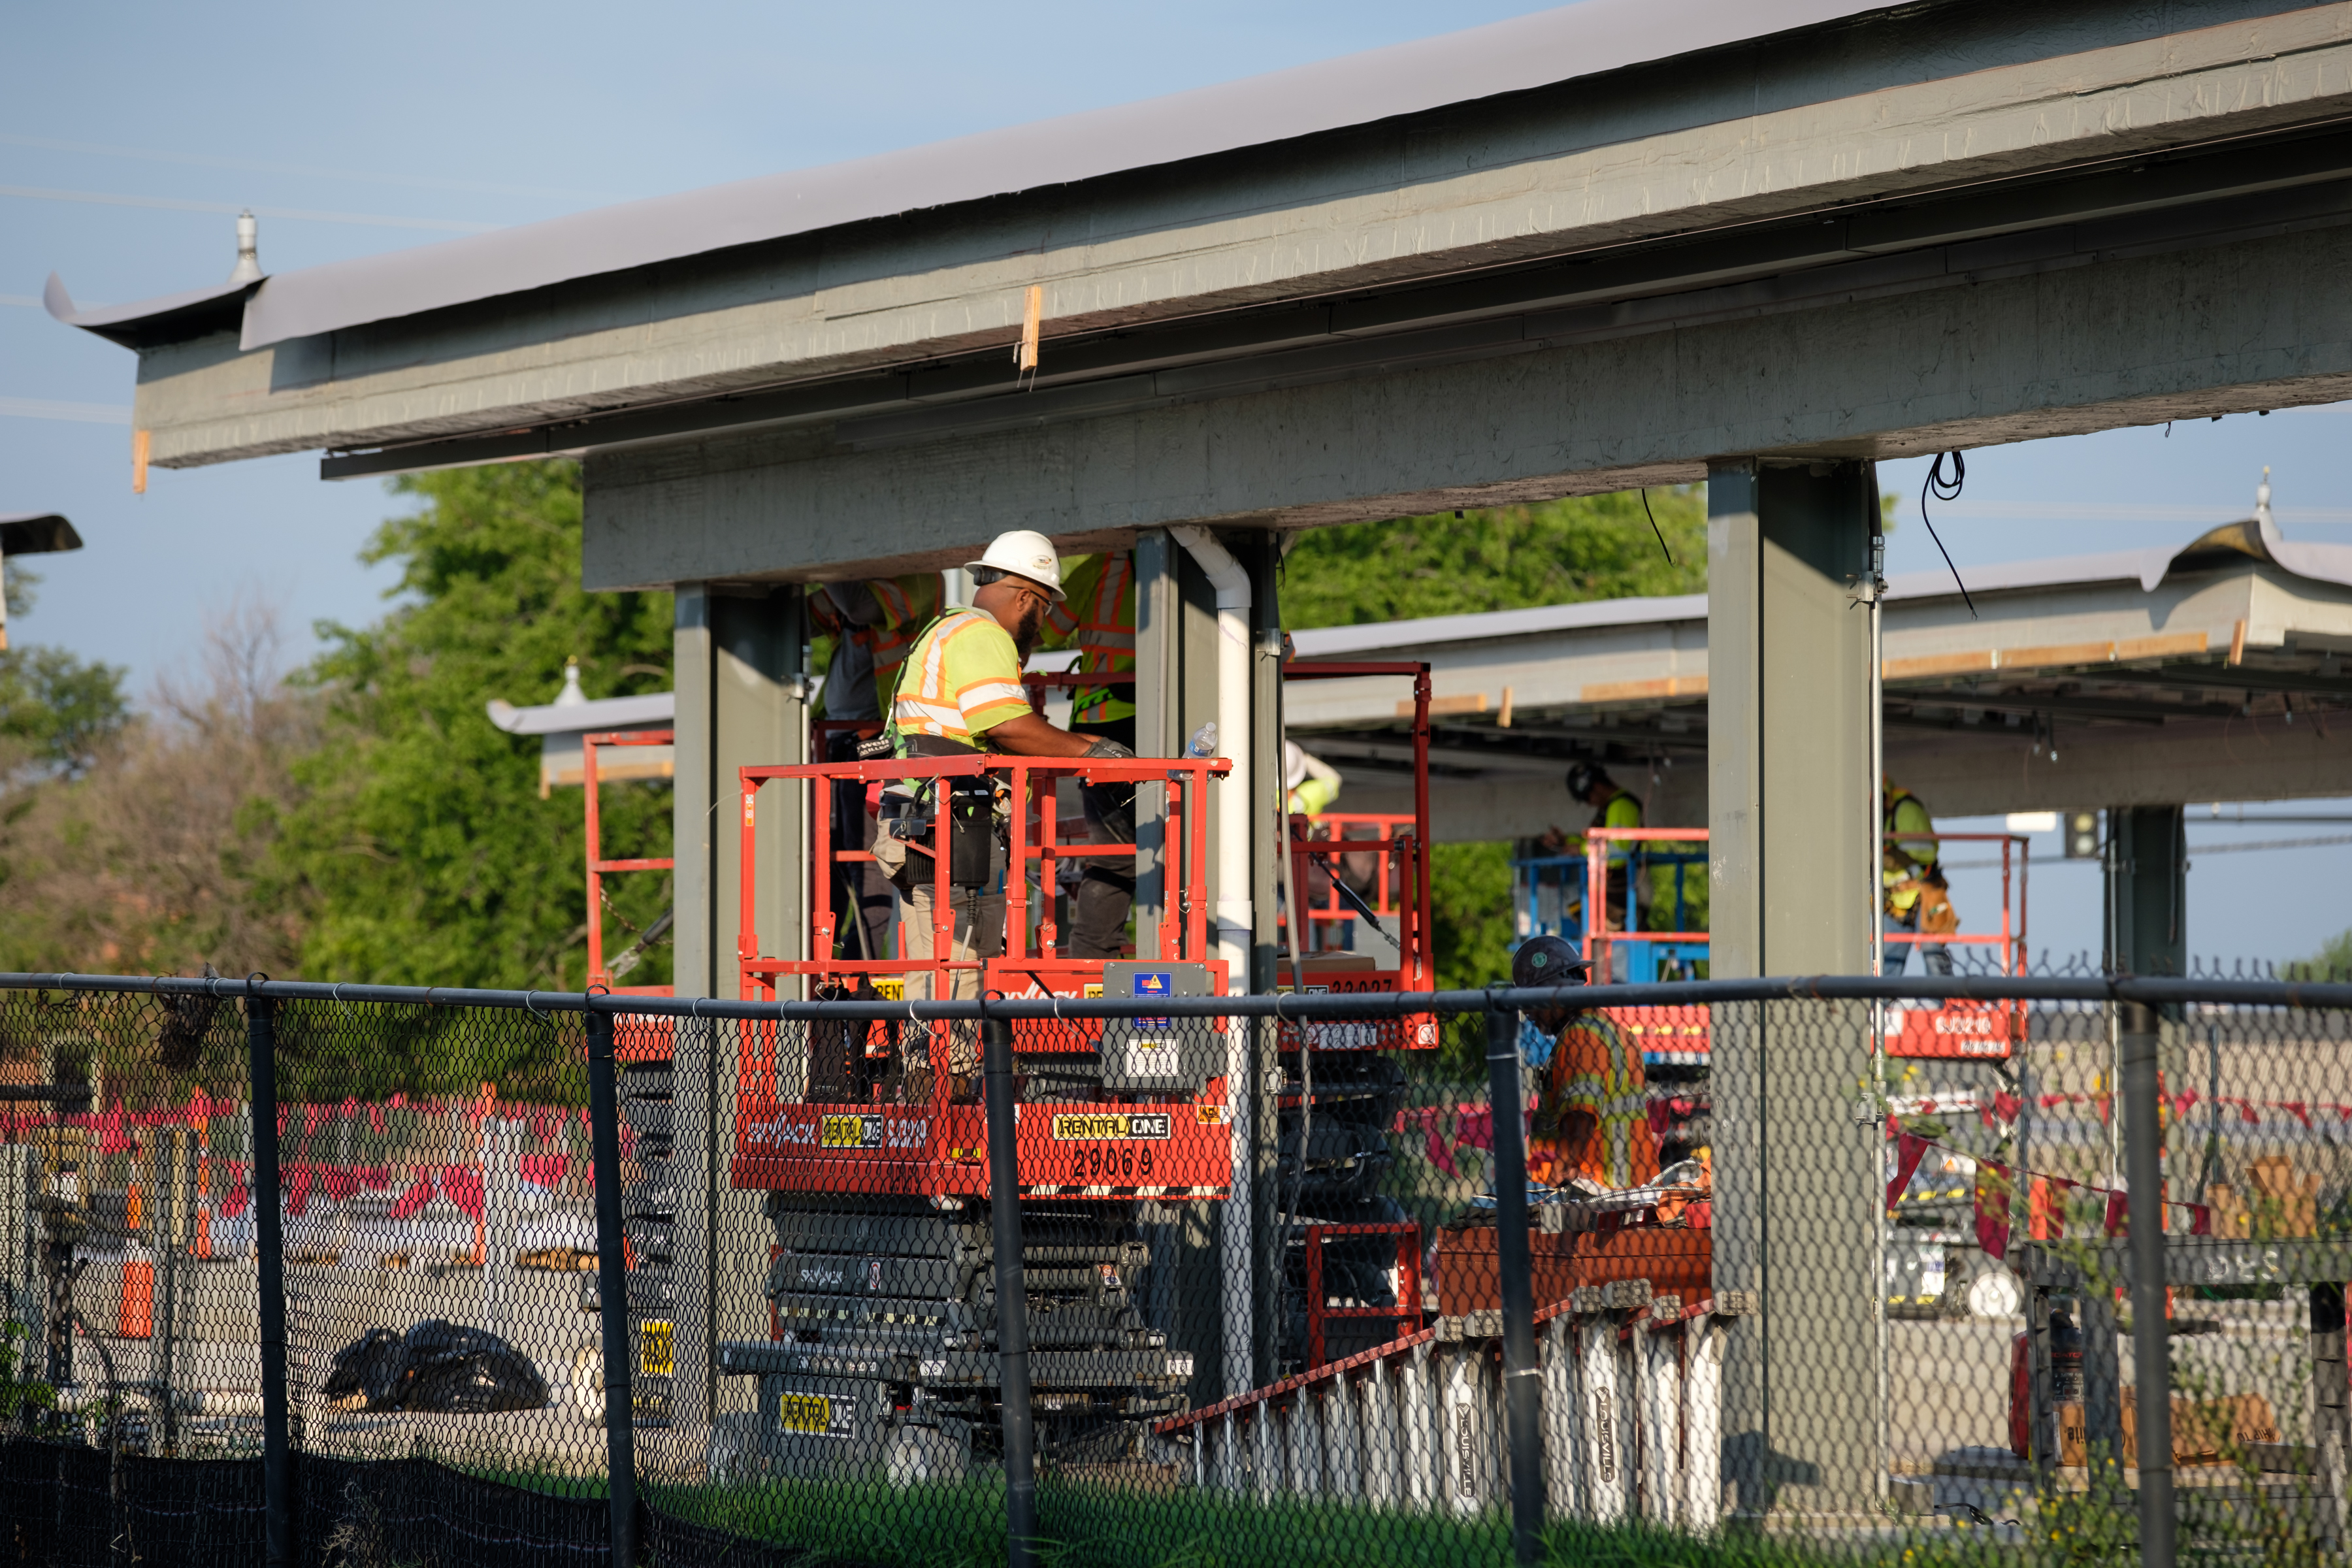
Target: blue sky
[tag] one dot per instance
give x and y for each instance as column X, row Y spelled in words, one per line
column 360, row 128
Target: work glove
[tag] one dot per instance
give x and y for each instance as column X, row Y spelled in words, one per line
column 1108, row 749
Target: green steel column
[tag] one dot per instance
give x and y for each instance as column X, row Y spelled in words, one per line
column 2148, row 891
column 1791, row 862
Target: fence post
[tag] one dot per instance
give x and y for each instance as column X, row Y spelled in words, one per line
column 2151, row 1334
column 1522, row 1388
column 1012, row 1297
column 279, row 1548
column 612, row 1289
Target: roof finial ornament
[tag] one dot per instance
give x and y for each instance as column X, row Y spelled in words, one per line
column 570, row 696
column 2262, row 498
column 248, row 249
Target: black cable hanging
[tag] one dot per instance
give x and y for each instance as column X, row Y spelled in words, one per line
column 1654, row 526
column 1943, row 489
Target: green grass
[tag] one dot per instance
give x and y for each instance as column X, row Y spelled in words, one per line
column 1084, row 1526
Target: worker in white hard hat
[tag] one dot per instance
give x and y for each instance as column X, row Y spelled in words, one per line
column 959, row 692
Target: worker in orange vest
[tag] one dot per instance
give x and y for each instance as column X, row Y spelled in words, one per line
column 1097, row 617
column 1591, row 1122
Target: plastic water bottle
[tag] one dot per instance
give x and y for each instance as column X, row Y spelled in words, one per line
column 1204, row 740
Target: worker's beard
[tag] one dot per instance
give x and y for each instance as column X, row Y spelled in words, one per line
column 1025, row 636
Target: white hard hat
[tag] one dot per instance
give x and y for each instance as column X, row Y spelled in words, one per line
column 1023, row 554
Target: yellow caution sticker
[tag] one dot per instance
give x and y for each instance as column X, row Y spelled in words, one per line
column 804, row 1412
column 656, row 1355
column 1111, row 1124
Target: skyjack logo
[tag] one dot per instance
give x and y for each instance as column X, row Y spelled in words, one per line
column 1604, row 1436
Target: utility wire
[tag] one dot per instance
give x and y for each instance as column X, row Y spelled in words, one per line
column 1654, row 528
column 1946, row 490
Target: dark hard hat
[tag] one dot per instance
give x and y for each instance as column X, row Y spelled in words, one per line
column 1547, row 961
column 1583, row 777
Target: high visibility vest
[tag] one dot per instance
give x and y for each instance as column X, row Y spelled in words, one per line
column 963, row 680
column 1906, row 814
column 908, row 603
column 1596, row 1071
column 1622, row 809
column 1097, row 617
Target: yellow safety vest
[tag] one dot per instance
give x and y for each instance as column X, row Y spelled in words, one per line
column 1097, row 617
column 1906, row 814
column 963, row 680
column 1596, row 1071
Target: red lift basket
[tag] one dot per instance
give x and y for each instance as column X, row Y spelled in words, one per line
column 1113, row 1145
column 1402, row 845
column 1136, row 1146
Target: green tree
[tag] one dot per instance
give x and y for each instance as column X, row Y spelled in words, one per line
column 419, row 847
column 1506, row 558
column 2332, row 962
column 56, row 711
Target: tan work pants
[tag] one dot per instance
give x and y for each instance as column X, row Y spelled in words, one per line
column 977, row 932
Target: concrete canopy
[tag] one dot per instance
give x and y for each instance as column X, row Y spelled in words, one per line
column 1935, row 225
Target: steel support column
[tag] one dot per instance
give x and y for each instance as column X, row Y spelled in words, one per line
column 1792, row 876
column 2148, row 891
column 740, row 688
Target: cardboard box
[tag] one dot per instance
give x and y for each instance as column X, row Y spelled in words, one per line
column 2204, row 1432
column 1679, row 1260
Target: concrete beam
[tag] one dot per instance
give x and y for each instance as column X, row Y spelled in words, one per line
column 2254, row 323
column 1930, row 100
column 2000, row 768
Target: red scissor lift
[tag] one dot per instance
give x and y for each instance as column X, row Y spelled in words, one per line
column 643, row 1047
column 869, row 1140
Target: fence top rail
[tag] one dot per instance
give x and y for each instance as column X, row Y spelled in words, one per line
column 2148, row 991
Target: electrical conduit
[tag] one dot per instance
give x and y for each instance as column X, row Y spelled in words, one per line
column 1235, row 922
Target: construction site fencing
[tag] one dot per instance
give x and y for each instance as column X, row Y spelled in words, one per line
column 356, row 1275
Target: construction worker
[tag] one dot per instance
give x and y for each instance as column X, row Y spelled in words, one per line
column 1097, row 617
column 1310, row 787
column 1613, row 806
column 1910, row 867
column 960, row 692
column 1312, row 783
column 1591, row 1122
column 863, row 634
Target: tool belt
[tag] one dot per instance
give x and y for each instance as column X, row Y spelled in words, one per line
column 909, row 815
column 1933, row 905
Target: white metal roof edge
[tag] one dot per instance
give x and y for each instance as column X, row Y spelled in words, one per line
column 60, row 305
column 578, row 718
column 1332, row 642
column 1559, row 44
column 2321, row 562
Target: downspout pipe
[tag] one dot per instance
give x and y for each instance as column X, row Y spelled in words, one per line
column 1236, row 926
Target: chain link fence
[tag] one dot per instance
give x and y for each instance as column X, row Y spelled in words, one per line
column 1717, row 1271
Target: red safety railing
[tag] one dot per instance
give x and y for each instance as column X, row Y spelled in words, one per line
column 635, row 1037
column 1948, row 1029
column 1405, row 1314
column 1034, row 830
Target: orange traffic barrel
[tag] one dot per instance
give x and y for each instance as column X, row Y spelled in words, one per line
column 137, row 1319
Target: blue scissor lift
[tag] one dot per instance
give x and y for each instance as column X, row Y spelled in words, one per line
column 1549, row 898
